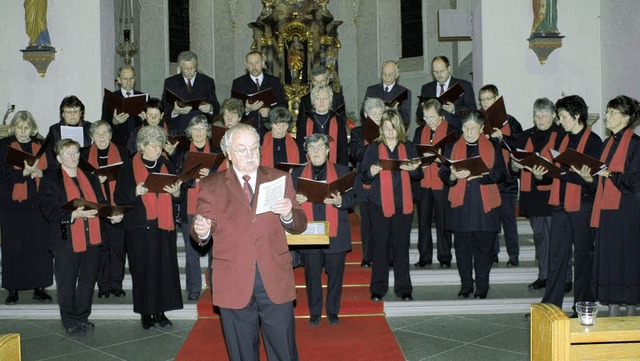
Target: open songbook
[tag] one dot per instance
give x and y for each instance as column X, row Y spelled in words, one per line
column 495, row 116
column 451, row 95
column 438, row 146
column 155, row 182
column 110, row 170
column 17, row 157
column 573, row 158
column 395, row 164
column 267, row 96
column 317, row 191
column 398, row 99
column 193, row 103
column 287, row 167
column 132, row 105
column 370, row 130
column 201, row 160
column 104, row 211
column 475, row 165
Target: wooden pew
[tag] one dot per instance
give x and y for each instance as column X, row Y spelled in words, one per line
column 554, row 336
column 10, row 347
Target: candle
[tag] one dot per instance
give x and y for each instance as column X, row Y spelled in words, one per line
column 127, row 35
column 586, row 319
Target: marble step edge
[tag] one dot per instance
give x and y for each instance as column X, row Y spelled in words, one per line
column 98, row 312
column 425, row 277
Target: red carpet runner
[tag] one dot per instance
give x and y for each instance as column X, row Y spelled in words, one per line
column 363, row 333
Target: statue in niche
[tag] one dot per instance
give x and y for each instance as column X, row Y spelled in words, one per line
column 295, row 57
column 545, row 17
column 35, row 18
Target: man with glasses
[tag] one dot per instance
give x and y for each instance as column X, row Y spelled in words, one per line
column 252, row 281
column 441, row 70
column 121, row 123
column 389, row 89
column 189, row 85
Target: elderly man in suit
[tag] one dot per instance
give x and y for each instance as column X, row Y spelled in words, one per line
column 252, row 273
column 121, row 123
column 441, row 70
column 256, row 80
column 190, row 84
column 389, row 89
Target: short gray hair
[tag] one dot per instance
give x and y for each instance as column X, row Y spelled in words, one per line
column 198, row 120
column 316, row 90
column 97, row 124
column 150, row 134
column 187, row 56
column 544, row 105
column 240, row 127
column 315, row 137
column 372, row 103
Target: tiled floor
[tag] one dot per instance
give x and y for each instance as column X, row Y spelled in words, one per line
column 473, row 337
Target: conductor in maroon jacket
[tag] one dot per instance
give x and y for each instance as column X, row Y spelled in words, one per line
column 252, row 273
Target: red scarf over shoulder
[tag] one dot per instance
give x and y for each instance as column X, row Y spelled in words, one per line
column 489, row 193
column 331, row 213
column 291, row 147
column 20, row 192
column 431, row 179
column 607, row 194
column 113, row 156
column 573, row 192
column 157, row 205
column 386, row 184
column 333, row 133
column 78, row 236
column 192, row 193
column 525, row 177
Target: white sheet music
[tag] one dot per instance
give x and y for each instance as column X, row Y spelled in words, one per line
column 75, row 133
column 269, row 193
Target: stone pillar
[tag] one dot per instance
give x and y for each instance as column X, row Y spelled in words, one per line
column 153, row 66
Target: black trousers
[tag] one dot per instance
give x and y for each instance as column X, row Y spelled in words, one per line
column 567, row 229
column 241, row 328
column 431, row 205
column 394, row 231
column 76, row 275
column 474, row 251
column 507, row 213
column 112, row 259
column 333, row 264
column 365, row 231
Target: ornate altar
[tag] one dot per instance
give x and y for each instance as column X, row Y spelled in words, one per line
column 294, row 36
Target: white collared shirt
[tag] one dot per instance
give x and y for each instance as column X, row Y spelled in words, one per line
column 193, row 80
column 384, row 86
column 260, row 78
column 252, row 181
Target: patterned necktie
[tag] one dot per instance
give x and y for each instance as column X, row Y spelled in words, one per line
column 257, row 84
column 441, row 89
column 386, row 89
column 246, row 187
column 189, row 85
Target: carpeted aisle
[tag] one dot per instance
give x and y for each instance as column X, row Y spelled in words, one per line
column 363, row 333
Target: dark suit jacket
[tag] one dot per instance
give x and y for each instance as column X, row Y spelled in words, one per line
column 244, row 84
column 377, row 91
column 203, row 87
column 342, row 242
column 465, row 102
column 122, row 131
column 243, row 240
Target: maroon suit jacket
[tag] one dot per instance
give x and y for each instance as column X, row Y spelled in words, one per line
column 242, row 239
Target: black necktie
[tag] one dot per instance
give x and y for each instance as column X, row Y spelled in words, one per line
column 386, row 89
column 128, row 94
column 257, row 84
column 246, row 187
column 441, row 89
column 189, row 85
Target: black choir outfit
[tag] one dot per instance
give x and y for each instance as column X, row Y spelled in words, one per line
column 27, row 262
column 55, row 135
column 572, row 200
column 378, row 91
column 473, row 217
column 202, row 87
column 331, row 258
column 617, row 240
column 283, row 150
column 151, row 243
column 466, row 102
column 390, row 218
column 112, row 255
column 431, row 200
column 357, row 147
column 333, row 126
column 122, row 131
column 306, row 107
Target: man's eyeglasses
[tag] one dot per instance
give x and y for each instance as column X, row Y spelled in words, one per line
column 246, row 151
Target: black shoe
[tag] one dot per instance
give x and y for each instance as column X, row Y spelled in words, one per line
column 163, row 321
column 118, row 293
column 103, row 294
column 365, row 264
column 406, row 297
column 376, row 297
column 422, row 264
column 148, row 321
column 568, row 287
column 465, row 293
column 88, row 326
column 314, row 320
column 194, row 296
column 538, row 284
column 13, row 298
column 390, row 263
column 445, row 265
column 333, row 319
column 76, row 331
column 40, row 295
column 481, row 295
column 513, row 261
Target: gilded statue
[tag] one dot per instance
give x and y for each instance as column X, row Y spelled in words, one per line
column 35, row 18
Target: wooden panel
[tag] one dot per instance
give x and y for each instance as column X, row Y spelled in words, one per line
column 607, row 329
column 550, row 336
column 10, row 347
column 606, row 351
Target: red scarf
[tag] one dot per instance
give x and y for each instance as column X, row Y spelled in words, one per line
column 331, row 212
column 431, row 179
column 489, row 193
column 157, row 205
column 525, row 177
column 113, row 156
column 573, row 192
column 78, row 237
column 506, row 131
column 20, row 192
column 266, row 157
column 192, row 193
column 333, row 133
column 386, row 184
column 608, row 195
